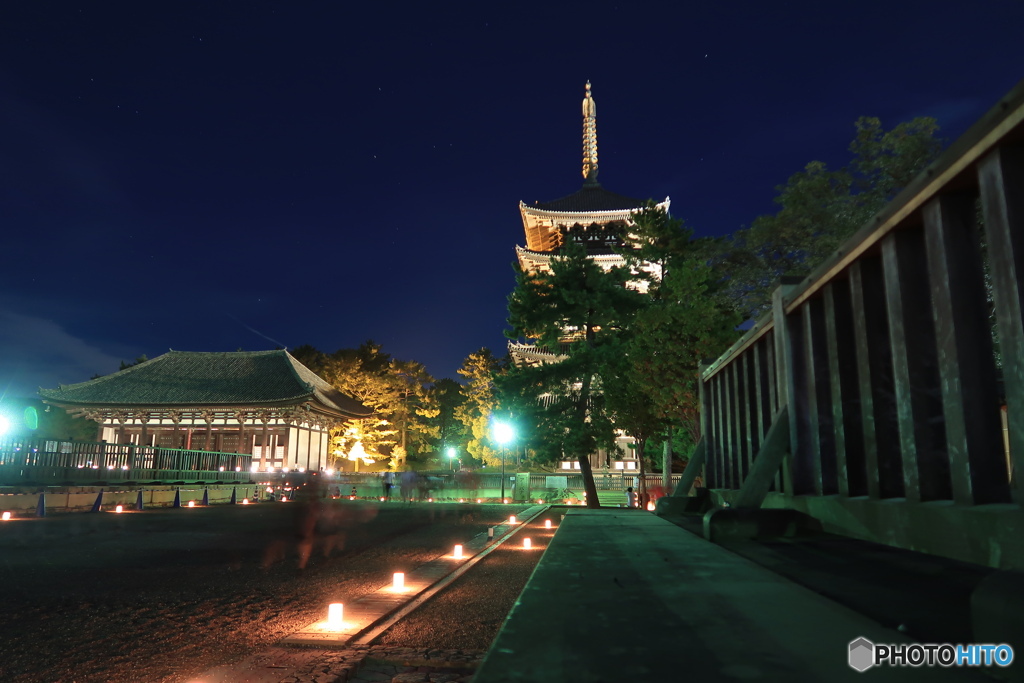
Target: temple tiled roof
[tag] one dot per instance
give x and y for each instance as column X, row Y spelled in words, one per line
column 183, row 378
column 591, row 198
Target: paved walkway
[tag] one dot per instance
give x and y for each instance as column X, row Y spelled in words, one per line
column 624, row 595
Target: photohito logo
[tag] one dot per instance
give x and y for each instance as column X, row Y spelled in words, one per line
column 864, row 654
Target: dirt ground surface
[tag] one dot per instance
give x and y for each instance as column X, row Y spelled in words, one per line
column 162, row 595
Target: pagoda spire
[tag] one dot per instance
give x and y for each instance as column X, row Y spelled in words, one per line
column 589, row 140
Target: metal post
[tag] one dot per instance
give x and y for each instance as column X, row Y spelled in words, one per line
column 502, row 473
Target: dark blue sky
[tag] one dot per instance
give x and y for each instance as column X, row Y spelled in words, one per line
column 216, row 175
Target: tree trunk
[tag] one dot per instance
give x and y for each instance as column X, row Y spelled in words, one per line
column 666, row 463
column 584, row 458
column 642, row 484
column 588, row 481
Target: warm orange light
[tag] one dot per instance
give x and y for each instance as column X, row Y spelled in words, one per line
column 430, row 500
column 479, row 500
column 335, row 615
column 512, row 519
column 245, row 501
column 539, row 501
column 382, row 499
column 6, row 516
column 398, row 582
column 119, row 508
column 650, row 506
column 191, row 503
column 547, row 523
column 458, row 552
column 284, row 499
column 351, row 497
column 527, row 543
column 462, row 500
column 505, row 501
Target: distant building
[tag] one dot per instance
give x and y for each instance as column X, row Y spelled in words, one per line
column 596, row 217
column 263, row 403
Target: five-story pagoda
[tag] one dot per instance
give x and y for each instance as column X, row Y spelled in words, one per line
column 595, row 217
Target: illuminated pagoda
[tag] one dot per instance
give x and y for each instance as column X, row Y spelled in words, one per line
column 263, row 403
column 594, row 216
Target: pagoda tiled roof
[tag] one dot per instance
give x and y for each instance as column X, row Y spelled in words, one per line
column 591, row 198
column 230, row 379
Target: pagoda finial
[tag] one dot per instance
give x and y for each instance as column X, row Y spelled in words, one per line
column 589, row 139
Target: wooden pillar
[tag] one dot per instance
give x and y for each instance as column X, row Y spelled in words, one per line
column 265, row 445
column 882, row 459
column 240, row 417
column 706, row 413
column 722, row 445
column 803, row 420
column 970, row 396
column 1001, row 176
column 751, row 406
column 915, row 368
column 735, row 411
column 785, row 379
column 851, row 473
column 821, row 435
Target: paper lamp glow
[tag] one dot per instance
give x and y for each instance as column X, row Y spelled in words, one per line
column 458, row 552
column 191, row 503
column 527, row 543
column 335, row 615
column 398, row 582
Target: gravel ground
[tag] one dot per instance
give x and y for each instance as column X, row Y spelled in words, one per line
column 162, row 595
column 468, row 614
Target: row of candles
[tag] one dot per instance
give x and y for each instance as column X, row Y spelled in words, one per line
column 336, row 610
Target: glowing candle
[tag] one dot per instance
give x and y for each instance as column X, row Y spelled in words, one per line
column 191, row 503
column 458, row 552
column 6, row 516
column 527, row 543
column 398, row 582
column 335, row 615
column 512, row 519
column 547, row 523
column 119, row 508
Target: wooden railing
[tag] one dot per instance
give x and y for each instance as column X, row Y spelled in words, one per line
column 874, row 378
column 45, row 461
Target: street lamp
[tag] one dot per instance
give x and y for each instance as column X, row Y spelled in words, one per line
column 451, row 455
column 503, row 433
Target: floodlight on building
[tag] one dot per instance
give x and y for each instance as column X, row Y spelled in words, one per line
column 255, row 467
column 119, row 508
column 5, row 425
column 547, row 523
column 6, row 517
column 191, row 503
column 398, row 581
column 335, row 615
column 527, row 543
column 330, row 472
column 457, row 553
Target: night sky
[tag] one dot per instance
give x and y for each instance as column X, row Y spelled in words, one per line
column 217, row 175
